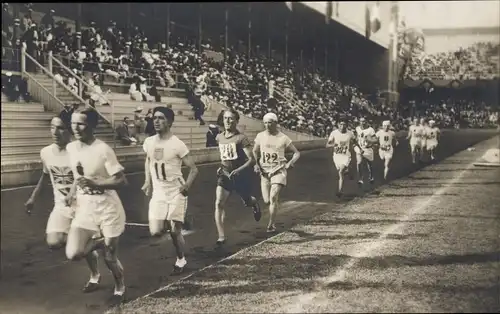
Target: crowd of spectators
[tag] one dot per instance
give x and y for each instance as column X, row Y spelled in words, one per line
column 305, row 100
column 479, row 61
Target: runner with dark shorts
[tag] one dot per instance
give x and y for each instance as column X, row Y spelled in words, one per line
column 235, row 171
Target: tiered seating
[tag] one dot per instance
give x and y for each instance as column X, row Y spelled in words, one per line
column 25, row 130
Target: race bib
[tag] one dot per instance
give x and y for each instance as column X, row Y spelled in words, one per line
column 432, row 135
column 386, row 147
column 341, row 150
column 88, row 191
column 228, row 151
column 268, row 158
column 160, row 172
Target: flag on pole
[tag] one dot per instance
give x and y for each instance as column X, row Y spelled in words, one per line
column 329, row 12
column 372, row 19
column 289, row 5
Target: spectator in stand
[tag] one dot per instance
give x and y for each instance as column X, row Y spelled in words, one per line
column 138, row 90
column 123, row 134
column 212, row 133
column 65, row 115
column 150, row 129
column 48, row 19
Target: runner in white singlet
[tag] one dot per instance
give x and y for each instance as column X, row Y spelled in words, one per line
column 432, row 135
column 342, row 142
column 387, row 141
column 165, row 154
column 269, row 152
column 366, row 138
column 99, row 209
column 55, row 163
column 415, row 134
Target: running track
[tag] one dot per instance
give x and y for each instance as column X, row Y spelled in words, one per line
column 36, row 280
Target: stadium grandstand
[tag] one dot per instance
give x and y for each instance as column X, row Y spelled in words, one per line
column 313, row 64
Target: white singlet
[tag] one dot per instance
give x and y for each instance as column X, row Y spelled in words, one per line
column 385, row 140
column 341, row 148
column 272, row 154
column 362, row 134
column 165, row 162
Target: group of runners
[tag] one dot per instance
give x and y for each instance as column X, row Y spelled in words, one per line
column 88, row 217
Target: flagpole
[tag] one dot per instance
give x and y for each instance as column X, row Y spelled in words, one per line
column 226, row 32
column 249, row 49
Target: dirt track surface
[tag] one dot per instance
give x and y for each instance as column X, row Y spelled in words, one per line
column 36, row 280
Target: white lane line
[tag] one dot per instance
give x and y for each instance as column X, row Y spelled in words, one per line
column 141, row 172
column 319, row 297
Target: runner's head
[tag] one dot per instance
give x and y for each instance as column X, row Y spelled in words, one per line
column 362, row 122
column 163, row 118
column 60, row 132
column 415, row 121
column 422, row 121
column 270, row 122
column 386, row 125
column 231, row 118
column 343, row 124
column 83, row 124
column 432, row 123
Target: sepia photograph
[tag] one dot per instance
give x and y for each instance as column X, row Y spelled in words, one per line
column 250, row 157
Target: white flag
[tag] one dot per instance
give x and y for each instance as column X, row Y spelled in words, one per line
column 289, row 5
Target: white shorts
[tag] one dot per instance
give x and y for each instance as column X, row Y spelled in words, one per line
column 386, row 154
column 367, row 154
column 60, row 219
column 102, row 213
column 415, row 144
column 278, row 178
column 432, row 144
column 341, row 161
column 160, row 208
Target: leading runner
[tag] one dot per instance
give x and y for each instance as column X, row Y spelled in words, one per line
column 366, row 138
column 269, row 153
column 97, row 175
column 387, row 141
column 342, row 141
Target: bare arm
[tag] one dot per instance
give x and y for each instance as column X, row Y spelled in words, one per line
column 295, row 157
column 38, row 187
column 114, row 182
column 249, row 162
column 193, row 170
column 256, row 153
column 147, row 174
column 331, row 142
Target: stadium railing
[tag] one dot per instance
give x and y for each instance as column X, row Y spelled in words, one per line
column 57, row 106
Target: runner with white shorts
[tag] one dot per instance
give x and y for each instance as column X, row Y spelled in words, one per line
column 432, row 134
column 97, row 175
column 55, row 164
column 366, row 138
column 342, row 142
column 165, row 154
column 387, row 141
column 415, row 134
column 269, row 152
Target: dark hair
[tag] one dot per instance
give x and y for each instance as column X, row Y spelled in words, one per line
column 234, row 113
column 64, row 125
column 167, row 112
column 92, row 116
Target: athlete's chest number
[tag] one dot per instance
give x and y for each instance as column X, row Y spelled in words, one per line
column 228, row 151
column 340, row 149
column 160, row 172
column 269, row 158
column 386, row 138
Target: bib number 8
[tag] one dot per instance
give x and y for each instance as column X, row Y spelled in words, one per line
column 268, row 158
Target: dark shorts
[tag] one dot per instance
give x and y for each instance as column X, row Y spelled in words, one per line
column 241, row 184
